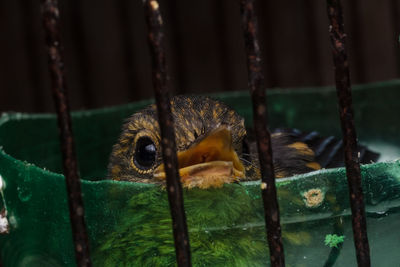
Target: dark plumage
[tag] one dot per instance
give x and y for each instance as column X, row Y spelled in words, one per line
column 202, row 124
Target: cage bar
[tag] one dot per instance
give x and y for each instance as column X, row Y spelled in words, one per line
column 51, row 15
column 165, row 119
column 342, row 78
column 257, row 90
column 180, row 69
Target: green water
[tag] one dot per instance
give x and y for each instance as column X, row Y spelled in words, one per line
column 129, row 224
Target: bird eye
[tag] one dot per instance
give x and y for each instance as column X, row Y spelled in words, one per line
column 145, row 153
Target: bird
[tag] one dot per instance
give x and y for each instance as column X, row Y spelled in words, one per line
column 216, row 152
column 214, row 147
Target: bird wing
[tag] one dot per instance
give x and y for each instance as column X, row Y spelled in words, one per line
column 329, row 151
column 297, row 152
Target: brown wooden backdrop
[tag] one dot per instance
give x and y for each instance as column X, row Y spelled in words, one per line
column 107, row 57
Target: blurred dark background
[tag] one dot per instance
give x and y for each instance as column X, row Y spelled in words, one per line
column 107, row 58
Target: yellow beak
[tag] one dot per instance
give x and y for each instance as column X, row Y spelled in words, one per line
column 211, row 162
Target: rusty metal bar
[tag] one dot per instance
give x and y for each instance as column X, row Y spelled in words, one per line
column 174, row 187
column 257, row 90
column 342, row 77
column 51, row 16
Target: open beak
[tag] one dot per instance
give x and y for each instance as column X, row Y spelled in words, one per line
column 211, row 162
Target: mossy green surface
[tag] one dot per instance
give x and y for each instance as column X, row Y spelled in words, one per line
column 217, row 221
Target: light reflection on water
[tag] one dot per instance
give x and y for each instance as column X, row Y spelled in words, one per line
column 387, row 151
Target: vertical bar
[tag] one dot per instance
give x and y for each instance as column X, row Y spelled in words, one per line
column 174, row 187
column 178, row 50
column 226, row 66
column 84, row 73
column 266, row 15
column 342, row 77
column 395, row 19
column 125, row 8
column 313, row 48
column 58, row 84
column 28, row 11
column 357, row 34
column 256, row 85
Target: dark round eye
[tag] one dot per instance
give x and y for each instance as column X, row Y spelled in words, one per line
column 145, row 153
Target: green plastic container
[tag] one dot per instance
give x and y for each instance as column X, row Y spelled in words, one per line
column 129, row 224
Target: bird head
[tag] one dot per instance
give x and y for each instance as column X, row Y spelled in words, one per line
column 210, row 140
